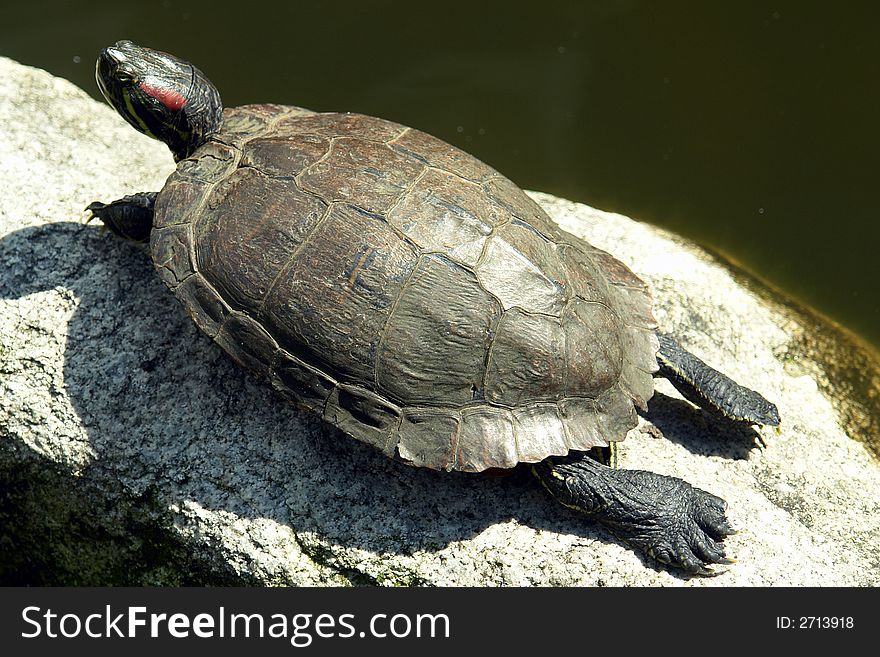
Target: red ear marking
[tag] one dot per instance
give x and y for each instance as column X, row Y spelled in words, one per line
column 170, row 99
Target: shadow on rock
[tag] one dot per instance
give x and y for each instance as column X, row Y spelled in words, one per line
column 166, row 410
column 700, row 431
column 168, row 414
column 57, row 529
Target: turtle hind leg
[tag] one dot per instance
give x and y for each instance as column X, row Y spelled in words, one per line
column 664, row 517
column 130, row 217
column 707, row 387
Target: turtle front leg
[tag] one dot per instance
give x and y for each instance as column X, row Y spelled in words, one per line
column 664, row 517
column 130, row 217
column 706, row 386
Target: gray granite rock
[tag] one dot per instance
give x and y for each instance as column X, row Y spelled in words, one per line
column 133, row 451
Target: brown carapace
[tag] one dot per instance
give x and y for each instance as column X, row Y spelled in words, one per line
column 410, row 293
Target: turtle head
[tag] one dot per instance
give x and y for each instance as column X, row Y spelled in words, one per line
column 162, row 96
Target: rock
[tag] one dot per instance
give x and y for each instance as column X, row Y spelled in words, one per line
column 132, row 451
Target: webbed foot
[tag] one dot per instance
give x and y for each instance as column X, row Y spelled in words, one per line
column 664, row 517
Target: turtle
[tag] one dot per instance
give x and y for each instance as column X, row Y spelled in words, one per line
column 415, row 298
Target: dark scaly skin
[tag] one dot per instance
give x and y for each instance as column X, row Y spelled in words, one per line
column 707, row 387
column 664, row 517
column 185, row 108
column 327, row 251
column 130, row 217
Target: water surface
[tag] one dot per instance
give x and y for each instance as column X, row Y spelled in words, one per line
column 749, row 127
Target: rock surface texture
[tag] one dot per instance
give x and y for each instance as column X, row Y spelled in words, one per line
column 133, row 451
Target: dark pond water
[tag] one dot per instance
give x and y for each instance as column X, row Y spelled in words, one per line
column 750, row 127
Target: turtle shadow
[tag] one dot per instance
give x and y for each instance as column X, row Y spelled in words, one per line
column 165, row 410
column 700, row 431
column 54, row 532
column 167, row 413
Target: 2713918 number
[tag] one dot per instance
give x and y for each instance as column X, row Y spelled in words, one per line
column 815, row 622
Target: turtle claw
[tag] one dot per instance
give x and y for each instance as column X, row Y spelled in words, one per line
column 664, row 517
column 93, row 212
column 687, row 530
column 716, row 569
column 130, row 217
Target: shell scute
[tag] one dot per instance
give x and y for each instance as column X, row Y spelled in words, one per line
column 414, row 296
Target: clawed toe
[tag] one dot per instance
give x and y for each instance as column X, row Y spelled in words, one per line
column 694, row 542
column 708, row 512
column 92, row 212
column 707, row 549
column 708, row 527
column 664, row 517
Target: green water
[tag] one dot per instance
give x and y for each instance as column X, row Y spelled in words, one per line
column 750, row 127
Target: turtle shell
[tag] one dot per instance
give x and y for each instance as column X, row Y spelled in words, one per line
column 408, row 292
